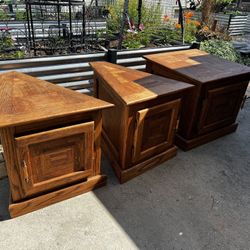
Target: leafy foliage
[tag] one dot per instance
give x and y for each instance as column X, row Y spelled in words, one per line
column 3, row 15
column 151, row 18
column 167, row 35
column 21, row 15
column 224, row 49
column 220, row 48
column 151, row 15
column 5, row 43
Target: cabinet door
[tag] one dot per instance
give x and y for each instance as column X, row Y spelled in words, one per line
column 155, row 129
column 55, row 158
column 220, row 108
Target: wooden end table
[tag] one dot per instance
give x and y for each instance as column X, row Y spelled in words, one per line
column 220, row 85
column 138, row 133
column 51, row 141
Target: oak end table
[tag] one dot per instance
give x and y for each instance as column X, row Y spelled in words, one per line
column 138, row 132
column 51, row 141
column 212, row 108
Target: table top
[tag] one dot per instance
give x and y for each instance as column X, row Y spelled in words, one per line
column 199, row 66
column 133, row 86
column 25, row 99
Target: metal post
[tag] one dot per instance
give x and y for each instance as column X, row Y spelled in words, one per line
column 58, row 18
column 139, row 9
column 83, row 22
column 70, row 25
column 28, row 22
column 32, row 29
column 229, row 21
column 195, row 45
column 112, row 56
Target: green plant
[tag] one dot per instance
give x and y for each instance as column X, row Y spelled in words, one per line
column 3, row 15
column 191, row 27
column 223, row 2
column 223, row 49
column 167, row 35
column 151, row 14
column 137, row 40
column 190, row 32
column 244, row 60
column 5, row 43
column 21, row 15
column 132, row 42
column 19, row 54
column 220, row 5
column 105, row 33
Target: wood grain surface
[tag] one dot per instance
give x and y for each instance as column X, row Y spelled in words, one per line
column 199, row 66
column 27, row 206
column 133, row 86
column 25, row 99
column 138, row 132
column 211, row 109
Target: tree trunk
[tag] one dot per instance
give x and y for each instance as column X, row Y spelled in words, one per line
column 208, row 7
column 124, row 20
column 181, row 22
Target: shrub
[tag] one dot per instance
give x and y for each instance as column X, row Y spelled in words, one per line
column 21, row 15
column 167, row 35
column 3, row 15
column 244, row 60
column 151, row 15
column 223, row 49
column 137, row 40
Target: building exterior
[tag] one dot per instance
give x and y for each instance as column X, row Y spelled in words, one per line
column 171, row 8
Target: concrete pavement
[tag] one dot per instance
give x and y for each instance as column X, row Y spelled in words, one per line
column 198, row 200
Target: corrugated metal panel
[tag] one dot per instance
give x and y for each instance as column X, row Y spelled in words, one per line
column 237, row 25
column 19, row 29
column 248, row 24
column 74, row 71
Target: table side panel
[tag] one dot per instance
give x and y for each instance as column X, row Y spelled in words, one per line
column 55, row 158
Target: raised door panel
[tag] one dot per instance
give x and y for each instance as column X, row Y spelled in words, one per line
column 55, row 158
column 220, row 107
column 154, row 131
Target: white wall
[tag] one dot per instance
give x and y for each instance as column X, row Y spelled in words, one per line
column 168, row 6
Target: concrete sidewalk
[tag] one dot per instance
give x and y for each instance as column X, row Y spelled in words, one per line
column 198, row 200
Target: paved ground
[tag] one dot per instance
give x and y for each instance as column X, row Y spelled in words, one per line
column 198, row 200
column 248, row 91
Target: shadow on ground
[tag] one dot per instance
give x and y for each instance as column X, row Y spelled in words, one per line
column 4, row 199
column 198, row 200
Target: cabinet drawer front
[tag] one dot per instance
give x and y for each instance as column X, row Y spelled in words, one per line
column 220, row 107
column 155, row 128
column 55, row 158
